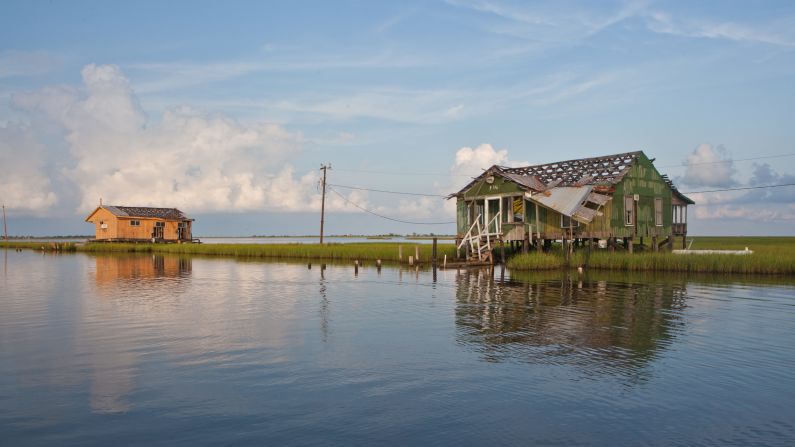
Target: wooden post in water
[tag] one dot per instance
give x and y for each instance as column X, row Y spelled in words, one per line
column 356, row 268
column 433, row 256
column 444, row 264
column 502, row 251
column 411, row 260
column 400, row 253
column 417, row 253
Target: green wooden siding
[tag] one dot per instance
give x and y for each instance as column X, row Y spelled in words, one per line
column 461, row 216
column 499, row 186
column 644, row 180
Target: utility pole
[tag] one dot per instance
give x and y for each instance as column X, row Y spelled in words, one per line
column 5, row 227
column 323, row 168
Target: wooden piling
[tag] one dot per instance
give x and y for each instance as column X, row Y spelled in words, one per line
column 411, row 260
column 417, row 253
column 400, row 253
column 356, row 267
column 433, row 255
column 444, row 264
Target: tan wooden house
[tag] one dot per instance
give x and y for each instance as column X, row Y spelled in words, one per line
column 140, row 224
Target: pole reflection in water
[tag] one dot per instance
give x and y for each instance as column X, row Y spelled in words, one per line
column 604, row 327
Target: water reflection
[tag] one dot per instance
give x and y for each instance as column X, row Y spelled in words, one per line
column 605, row 327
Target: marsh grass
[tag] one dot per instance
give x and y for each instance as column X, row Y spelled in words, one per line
column 772, row 255
column 348, row 251
column 39, row 245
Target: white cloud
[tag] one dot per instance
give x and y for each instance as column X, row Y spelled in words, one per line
column 709, row 166
column 764, row 204
column 189, row 159
column 467, row 162
column 22, row 185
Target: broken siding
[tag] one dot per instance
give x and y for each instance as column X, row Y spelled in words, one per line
column 461, row 216
column 644, row 180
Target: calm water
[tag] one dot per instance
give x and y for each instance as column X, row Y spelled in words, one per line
column 152, row 350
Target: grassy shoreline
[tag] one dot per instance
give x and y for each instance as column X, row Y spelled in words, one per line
column 387, row 252
column 772, row 256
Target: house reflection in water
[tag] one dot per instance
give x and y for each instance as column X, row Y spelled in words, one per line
column 607, row 326
column 128, row 285
column 111, row 269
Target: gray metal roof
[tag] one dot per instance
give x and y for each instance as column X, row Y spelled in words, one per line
column 146, row 212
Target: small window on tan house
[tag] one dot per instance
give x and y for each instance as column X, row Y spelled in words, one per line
column 629, row 211
column 658, row 212
column 135, row 223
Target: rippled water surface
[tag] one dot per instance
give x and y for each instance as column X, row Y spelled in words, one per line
column 152, row 350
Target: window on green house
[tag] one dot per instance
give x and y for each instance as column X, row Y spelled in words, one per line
column 507, row 215
column 629, row 211
column 518, row 209
column 568, row 222
column 658, row 212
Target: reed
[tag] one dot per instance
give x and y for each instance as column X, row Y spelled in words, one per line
column 347, row 251
column 774, row 256
column 43, row 246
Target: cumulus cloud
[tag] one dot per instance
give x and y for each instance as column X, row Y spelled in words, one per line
column 188, row 159
column 467, row 163
column 764, row 204
column 22, row 185
column 709, row 165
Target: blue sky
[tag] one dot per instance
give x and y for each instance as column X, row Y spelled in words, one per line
column 227, row 111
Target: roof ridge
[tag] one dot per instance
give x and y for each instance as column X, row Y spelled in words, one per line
column 623, row 154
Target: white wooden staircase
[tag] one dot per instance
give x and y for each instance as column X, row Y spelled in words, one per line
column 480, row 240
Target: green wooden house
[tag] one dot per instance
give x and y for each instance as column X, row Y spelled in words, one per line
column 607, row 198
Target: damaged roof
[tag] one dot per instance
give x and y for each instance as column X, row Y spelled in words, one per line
column 583, row 171
column 607, row 169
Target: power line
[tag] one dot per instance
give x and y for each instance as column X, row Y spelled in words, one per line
column 388, row 192
column 385, row 217
column 740, row 189
column 684, row 165
column 435, row 174
column 447, row 174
